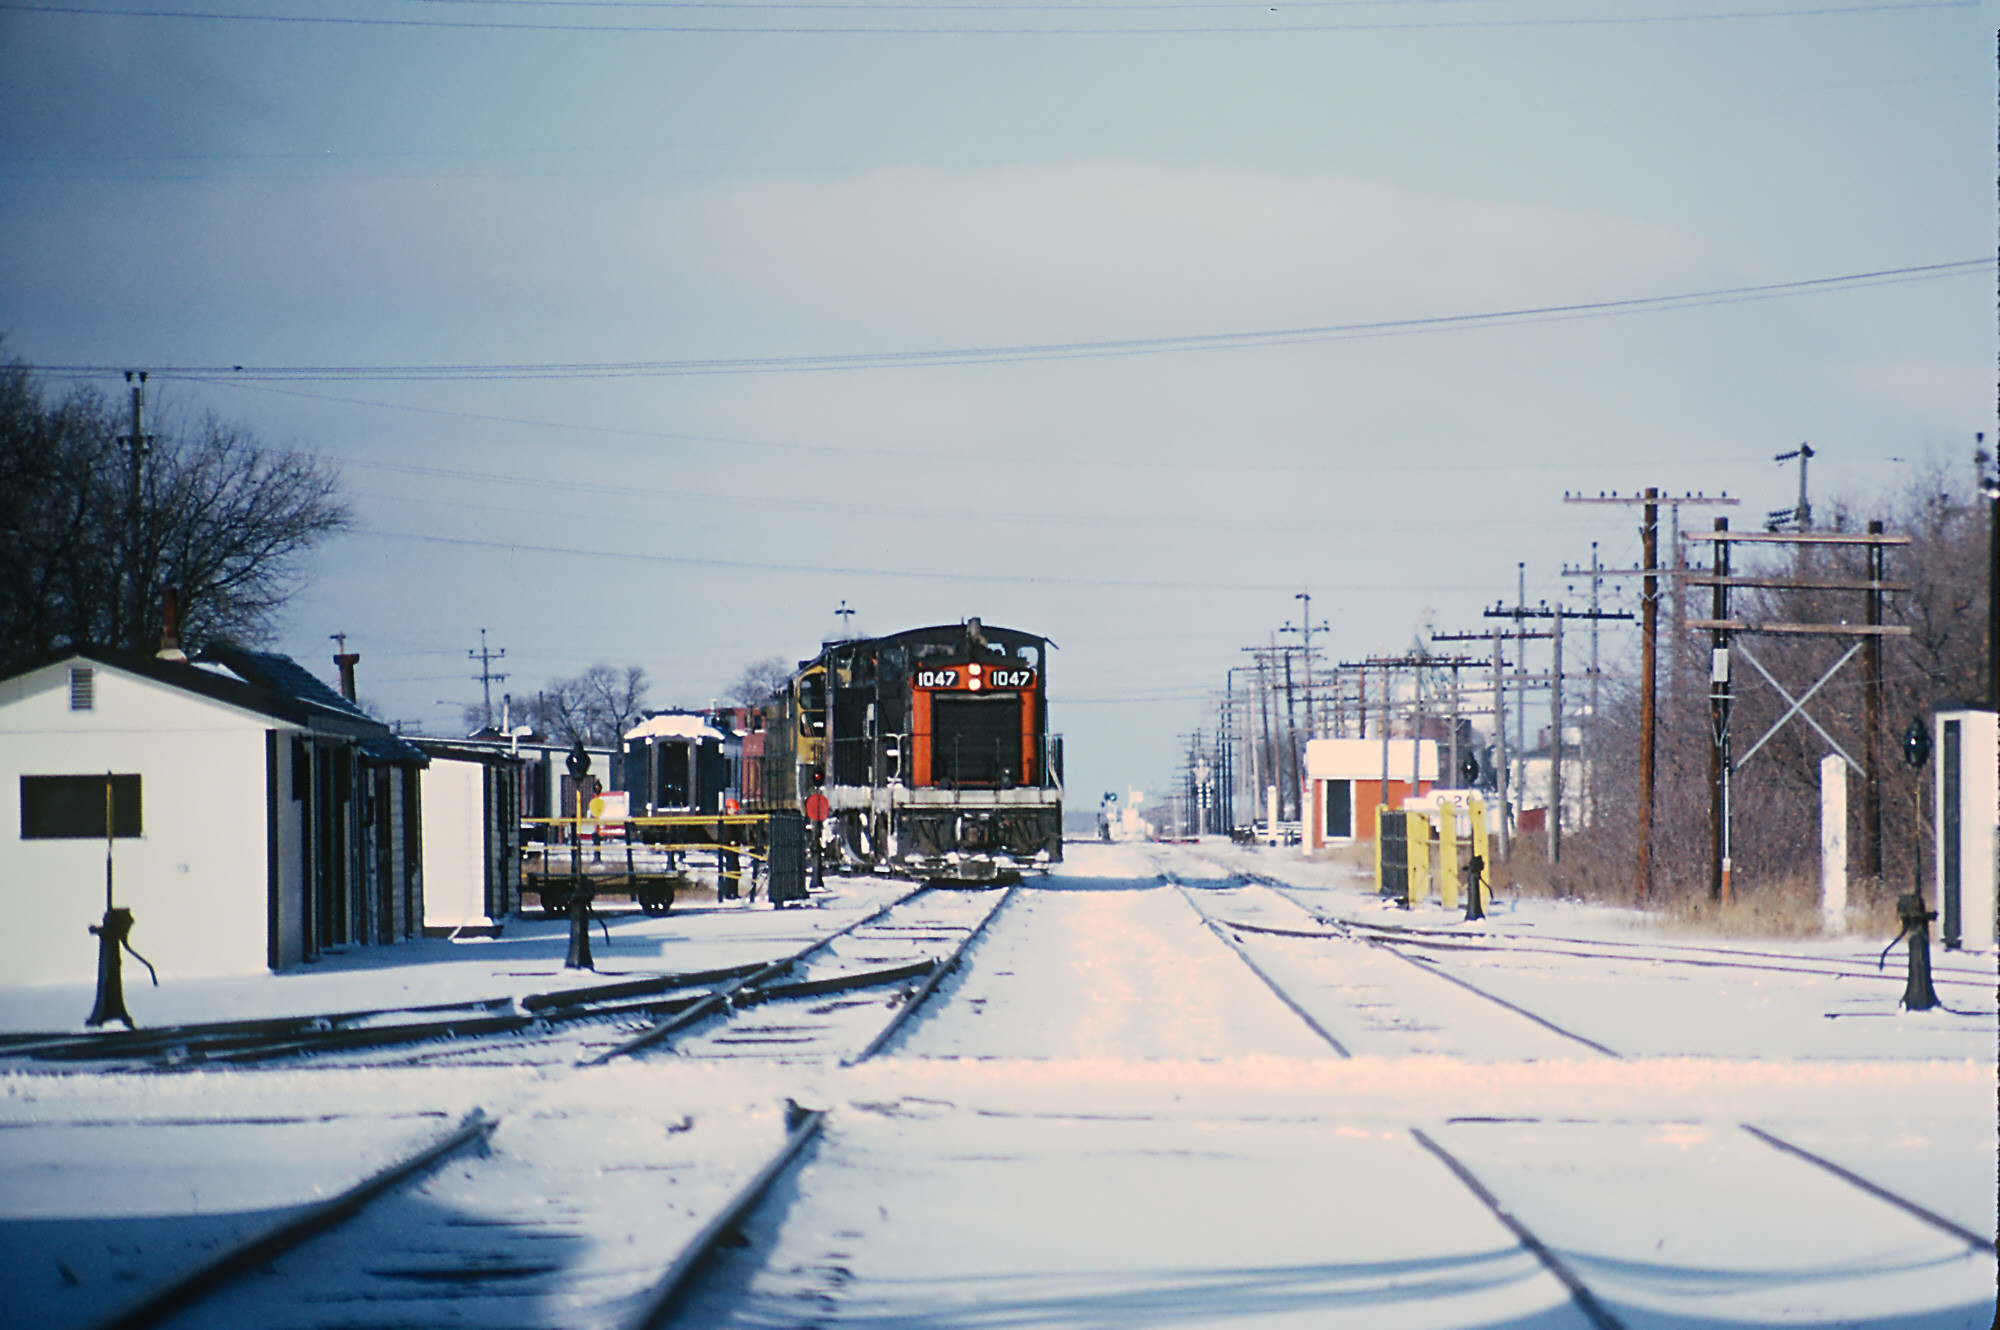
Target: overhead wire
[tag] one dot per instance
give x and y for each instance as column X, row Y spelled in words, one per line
column 1072, row 30
column 908, row 574
column 900, row 455
column 1043, row 351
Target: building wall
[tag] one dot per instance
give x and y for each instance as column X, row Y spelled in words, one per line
column 1366, row 796
column 455, row 842
column 1965, row 761
column 196, row 880
column 287, row 929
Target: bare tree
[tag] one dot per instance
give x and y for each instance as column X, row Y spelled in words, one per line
column 596, row 706
column 760, row 681
column 1776, row 792
column 221, row 520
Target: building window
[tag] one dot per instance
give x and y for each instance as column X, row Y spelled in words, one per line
column 82, row 688
column 75, row 807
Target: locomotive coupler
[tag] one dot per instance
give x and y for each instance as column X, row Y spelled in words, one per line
column 1918, row 995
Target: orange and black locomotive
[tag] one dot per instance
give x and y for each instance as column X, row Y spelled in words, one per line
column 931, row 748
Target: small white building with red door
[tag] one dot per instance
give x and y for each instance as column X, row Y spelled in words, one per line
column 1344, row 785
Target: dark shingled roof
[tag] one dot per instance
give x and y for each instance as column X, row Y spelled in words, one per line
column 286, row 677
column 265, row 682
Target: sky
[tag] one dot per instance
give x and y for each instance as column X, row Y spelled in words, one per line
column 737, row 296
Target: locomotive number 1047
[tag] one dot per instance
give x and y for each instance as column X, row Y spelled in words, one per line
column 1000, row 677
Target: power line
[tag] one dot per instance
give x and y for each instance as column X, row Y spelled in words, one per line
column 900, row 455
column 928, row 575
column 1001, row 354
column 907, row 30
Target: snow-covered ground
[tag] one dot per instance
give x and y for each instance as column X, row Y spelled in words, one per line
column 1105, row 1118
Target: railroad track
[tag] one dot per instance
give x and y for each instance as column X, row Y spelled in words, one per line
column 1589, row 1301
column 415, row 1242
column 600, row 1021
column 1446, row 939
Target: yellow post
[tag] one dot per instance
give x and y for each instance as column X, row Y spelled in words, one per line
column 1381, row 814
column 1448, row 854
column 1482, row 847
column 1420, row 857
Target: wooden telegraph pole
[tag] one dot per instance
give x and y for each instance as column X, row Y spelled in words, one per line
column 1649, row 605
column 1727, row 629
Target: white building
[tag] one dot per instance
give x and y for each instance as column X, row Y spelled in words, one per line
column 260, row 817
column 471, row 835
column 1344, row 785
column 1965, row 754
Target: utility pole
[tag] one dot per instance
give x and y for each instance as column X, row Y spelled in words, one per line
column 1719, row 701
column 1521, row 613
column 1990, row 485
column 1871, row 756
column 1500, row 747
column 1556, row 738
column 1306, row 632
column 1799, row 518
column 1724, row 647
column 487, row 676
column 1649, row 669
column 1649, row 501
column 1592, row 738
column 139, row 446
column 1291, row 739
column 1521, row 652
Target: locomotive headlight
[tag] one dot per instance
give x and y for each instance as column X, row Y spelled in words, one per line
column 974, row 669
column 973, row 683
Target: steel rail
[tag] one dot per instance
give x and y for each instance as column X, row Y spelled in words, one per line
column 1342, row 927
column 1978, row 1242
column 1243, row 955
column 723, row 998
column 150, row 1040
column 930, row 984
column 837, row 983
column 196, row 1283
column 1654, row 950
column 1542, row 1021
column 1579, row 1292
column 1439, row 940
column 666, row 983
column 673, row 1285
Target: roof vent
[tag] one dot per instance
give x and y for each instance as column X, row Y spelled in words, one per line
column 82, row 688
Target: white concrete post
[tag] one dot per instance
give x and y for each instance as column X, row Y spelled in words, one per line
column 1271, row 811
column 1833, row 843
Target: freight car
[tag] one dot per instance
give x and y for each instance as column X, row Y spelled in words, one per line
column 931, row 747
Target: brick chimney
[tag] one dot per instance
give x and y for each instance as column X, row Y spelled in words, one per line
column 170, row 626
column 345, row 661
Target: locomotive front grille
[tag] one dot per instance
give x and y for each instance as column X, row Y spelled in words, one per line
column 976, row 740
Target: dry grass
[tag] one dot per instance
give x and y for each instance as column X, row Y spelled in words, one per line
column 1779, row 907
column 1788, row 907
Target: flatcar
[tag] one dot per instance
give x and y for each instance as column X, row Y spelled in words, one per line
column 931, row 748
